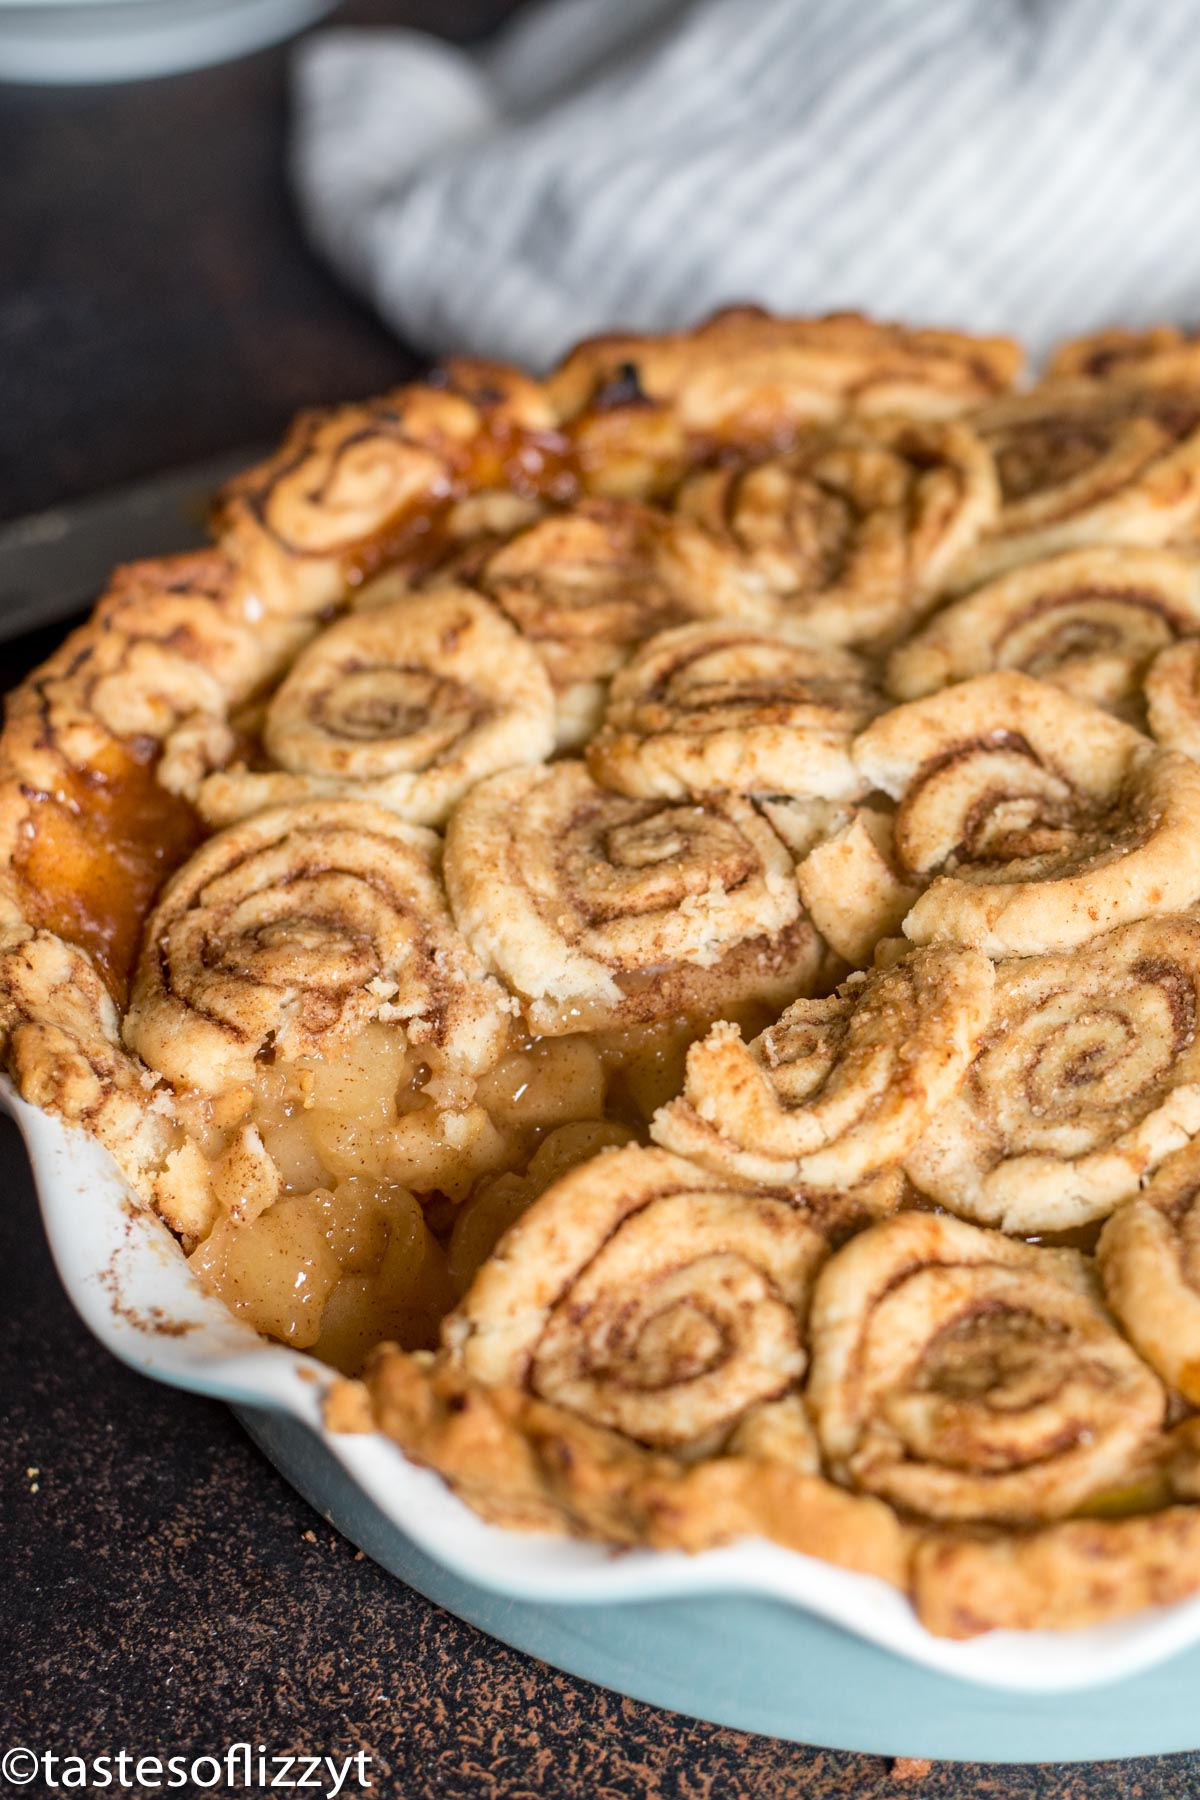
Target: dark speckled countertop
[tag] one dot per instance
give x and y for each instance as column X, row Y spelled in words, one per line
column 161, row 1588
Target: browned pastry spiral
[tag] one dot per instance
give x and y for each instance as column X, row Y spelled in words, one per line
column 356, row 486
column 962, row 1376
column 646, row 1296
column 173, row 639
column 1162, row 351
column 840, row 1088
column 642, row 410
column 1040, row 820
column 1149, row 1256
column 87, row 826
column 1087, row 1078
column 585, row 587
column 1089, row 462
column 289, row 932
column 407, row 705
column 720, row 708
column 600, row 910
column 856, row 529
column 1089, row 621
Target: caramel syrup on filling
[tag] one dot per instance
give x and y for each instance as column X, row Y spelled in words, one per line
column 99, row 848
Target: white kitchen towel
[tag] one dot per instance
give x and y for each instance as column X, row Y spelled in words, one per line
column 1030, row 166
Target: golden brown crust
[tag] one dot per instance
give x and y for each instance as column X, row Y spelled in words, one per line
column 1061, row 1578
column 533, row 1466
column 641, row 410
column 351, row 488
column 64, row 1051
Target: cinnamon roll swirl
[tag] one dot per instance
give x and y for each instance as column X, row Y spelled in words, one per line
column 585, row 587
column 1163, row 352
column 600, row 910
column 841, row 1088
column 1149, row 1257
column 962, row 1376
column 288, row 933
column 1088, row 621
column 854, row 530
column 646, row 1297
column 717, row 708
column 1089, row 462
column 355, row 486
column 407, row 705
column 174, row 639
column 641, row 410
column 1040, row 820
column 1086, row 1080
column 1172, row 689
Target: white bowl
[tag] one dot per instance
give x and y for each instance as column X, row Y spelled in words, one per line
column 80, row 41
column 129, row 1281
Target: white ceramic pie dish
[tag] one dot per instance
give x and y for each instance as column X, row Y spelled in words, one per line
column 130, row 1283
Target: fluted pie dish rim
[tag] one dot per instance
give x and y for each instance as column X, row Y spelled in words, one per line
column 128, row 1280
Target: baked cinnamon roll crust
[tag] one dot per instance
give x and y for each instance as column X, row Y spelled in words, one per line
column 1037, row 821
column 648, row 919
column 598, row 910
column 856, row 529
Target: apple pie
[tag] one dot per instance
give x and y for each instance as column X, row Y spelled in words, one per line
column 650, row 919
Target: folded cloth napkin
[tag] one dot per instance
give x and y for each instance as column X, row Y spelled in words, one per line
column 1003, row 165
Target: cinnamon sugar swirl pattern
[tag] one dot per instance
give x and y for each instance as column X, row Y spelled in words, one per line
column 647, row 1297
column 839, row 1089
column 289, row 932
column 409, row 705
column 598, row 910
column 587, row 586
column 1037, row 820
column 1090, row 462
column 1087, row 1078
column 856, row 530
column 1088, row 621
column 965, row 1377
column 350, row 487
column 720, row 708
